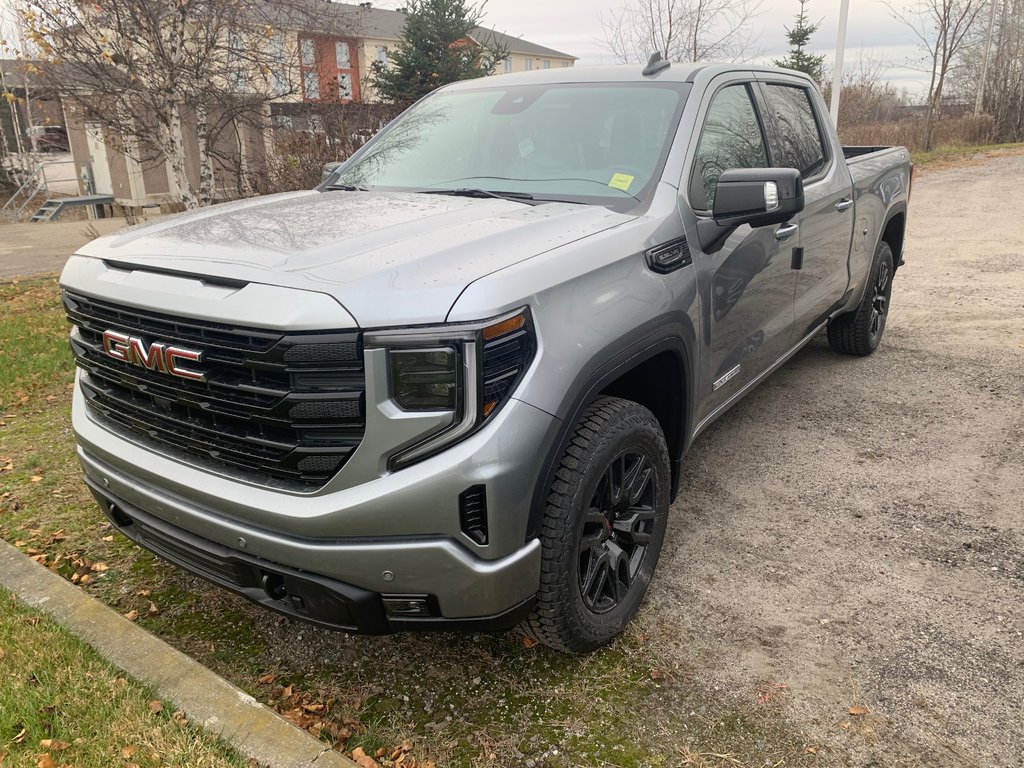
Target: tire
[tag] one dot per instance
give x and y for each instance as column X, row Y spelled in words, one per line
column 591, row 528
column 860, row 331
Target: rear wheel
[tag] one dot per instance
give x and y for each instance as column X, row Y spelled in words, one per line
column 603, row 527
column 859, row 332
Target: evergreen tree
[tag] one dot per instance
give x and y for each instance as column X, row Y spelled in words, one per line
column 799, row 36
column 440, row 44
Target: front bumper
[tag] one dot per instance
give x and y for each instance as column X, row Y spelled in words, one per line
column 395, row 535
column 293, row 592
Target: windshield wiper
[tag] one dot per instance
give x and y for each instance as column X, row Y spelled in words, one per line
column 346, row 188
column 523, row 197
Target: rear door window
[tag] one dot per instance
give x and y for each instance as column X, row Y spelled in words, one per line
column 795, row 140
column 731, row 138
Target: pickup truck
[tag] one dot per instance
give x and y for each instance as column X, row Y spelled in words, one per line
column 453, row 386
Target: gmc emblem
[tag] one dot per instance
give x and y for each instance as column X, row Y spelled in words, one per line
column 156, row 357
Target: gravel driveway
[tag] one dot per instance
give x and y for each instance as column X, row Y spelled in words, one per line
column 854, row 529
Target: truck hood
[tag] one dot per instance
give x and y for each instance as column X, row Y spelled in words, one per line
column 389, row 258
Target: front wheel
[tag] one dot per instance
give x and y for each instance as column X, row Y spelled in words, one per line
column 859, row 332
column 603, row 527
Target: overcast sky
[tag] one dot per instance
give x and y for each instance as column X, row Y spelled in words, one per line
column 574, row 26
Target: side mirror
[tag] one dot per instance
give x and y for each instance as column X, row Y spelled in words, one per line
column 759, row 197
column 329, row 168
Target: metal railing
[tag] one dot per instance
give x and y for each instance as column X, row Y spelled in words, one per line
column 35, row 183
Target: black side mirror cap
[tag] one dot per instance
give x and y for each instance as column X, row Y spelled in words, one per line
column 759, row 197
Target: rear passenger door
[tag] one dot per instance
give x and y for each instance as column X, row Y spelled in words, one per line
column 798, row 139
column 746, row 288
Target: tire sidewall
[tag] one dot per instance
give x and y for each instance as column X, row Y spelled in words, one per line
column 882, row 256
column 626, row 433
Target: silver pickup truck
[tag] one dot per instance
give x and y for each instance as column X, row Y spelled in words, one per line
column 453, row 386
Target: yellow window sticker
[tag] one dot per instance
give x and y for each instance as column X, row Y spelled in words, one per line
column 621, row 181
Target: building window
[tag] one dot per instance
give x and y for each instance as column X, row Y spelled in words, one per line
column 311, row 84
column 341, row 55
column 507, row 64
column 278, row 79
column 236, row 68
column 345, row 87
column 566, row 64
column 381, row 55
column 547, row 63
column 529, row 65
column 308, row 47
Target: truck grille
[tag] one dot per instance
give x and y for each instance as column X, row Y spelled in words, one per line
column 273, row 405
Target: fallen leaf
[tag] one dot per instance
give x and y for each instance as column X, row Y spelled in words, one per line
column 127, row 752
column 120, row 682
column 100, row 567
column 812, row 750
column 153, row 609
column 108, row 538
column 45, row 761
column 36, row 479
column 54, row 745
column 132, row 615
column 179, row 717
column 265, row 679
column 364, row 760
column 144, row 593
column 381, row 752
column 156, row 706
column 20, row 737
column 528, row 642
column 858, row 709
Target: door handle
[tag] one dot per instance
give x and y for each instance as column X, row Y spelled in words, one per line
column 844, row 205
column 785, row 232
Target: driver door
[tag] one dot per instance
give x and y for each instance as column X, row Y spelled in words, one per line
column 746, row 288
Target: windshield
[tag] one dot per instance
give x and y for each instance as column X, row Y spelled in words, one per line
column 581, row 142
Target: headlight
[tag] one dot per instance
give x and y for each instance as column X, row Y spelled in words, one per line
column 424, row 379
column 467, row 369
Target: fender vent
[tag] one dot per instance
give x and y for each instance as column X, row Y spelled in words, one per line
column 473, row 513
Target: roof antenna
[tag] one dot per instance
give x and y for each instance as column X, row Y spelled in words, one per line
column 656, row 64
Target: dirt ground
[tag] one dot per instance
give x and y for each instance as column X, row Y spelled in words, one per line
column 854, row 529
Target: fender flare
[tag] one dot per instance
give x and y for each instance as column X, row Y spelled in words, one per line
column 582, row 393
column 894, row 210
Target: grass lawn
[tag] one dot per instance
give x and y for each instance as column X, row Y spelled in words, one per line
column 448, row 699
column 944, row 156
column 62, row 705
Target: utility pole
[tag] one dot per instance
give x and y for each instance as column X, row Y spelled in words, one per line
column 837, row 74
column 978, row 102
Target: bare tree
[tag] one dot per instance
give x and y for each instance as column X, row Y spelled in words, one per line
column 991, row 72
column 944, row 29
column 148, row 70
column 682, row 30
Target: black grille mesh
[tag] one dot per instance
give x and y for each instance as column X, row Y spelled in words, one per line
column 273, row 405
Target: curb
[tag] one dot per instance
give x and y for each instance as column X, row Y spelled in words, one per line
column 207, row 699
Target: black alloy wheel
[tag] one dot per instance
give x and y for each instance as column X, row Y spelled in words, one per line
column 617, row 531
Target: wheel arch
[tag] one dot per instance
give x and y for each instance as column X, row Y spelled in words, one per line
column 894, row 232
column 655, row 374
